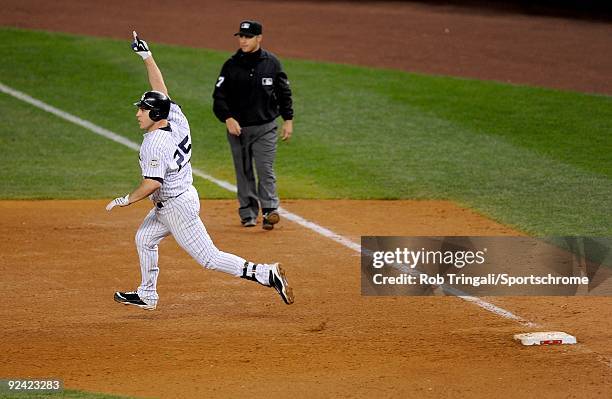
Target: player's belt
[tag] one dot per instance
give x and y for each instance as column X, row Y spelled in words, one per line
column 160, row 204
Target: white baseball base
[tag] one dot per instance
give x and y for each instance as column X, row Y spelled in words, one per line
column 546, row 338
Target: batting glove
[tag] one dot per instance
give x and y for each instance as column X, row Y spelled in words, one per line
column 140, row 47
column 121, row 201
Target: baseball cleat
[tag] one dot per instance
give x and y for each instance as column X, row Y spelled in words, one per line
column 132, row 298
column 279, row 282
column 249, row 222
column 270, row 219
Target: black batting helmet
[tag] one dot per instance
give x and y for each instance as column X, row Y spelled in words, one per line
column 157, row 102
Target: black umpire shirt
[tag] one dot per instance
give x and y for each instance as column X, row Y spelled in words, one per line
column 253, row 89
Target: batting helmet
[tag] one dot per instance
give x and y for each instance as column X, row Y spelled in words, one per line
column 157, row 103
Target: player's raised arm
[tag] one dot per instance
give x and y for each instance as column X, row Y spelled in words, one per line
column 156, row 79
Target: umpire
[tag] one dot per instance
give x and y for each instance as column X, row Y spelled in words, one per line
column 251, row 92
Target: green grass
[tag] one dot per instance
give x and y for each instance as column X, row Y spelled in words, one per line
column 532, row 158
column 67, row 394
column 46, row 157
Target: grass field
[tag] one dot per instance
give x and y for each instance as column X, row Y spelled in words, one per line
column 67, row 394
column 535, row 159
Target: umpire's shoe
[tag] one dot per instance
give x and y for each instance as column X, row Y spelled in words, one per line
column 279, row 282
column 249, row 222
column 132, row 298
column 270, row 219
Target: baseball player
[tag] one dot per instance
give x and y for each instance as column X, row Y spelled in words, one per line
column 165, row 157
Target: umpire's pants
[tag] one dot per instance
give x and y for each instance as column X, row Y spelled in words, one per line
column 255, row 143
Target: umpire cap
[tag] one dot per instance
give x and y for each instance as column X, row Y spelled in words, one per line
column 157, row 102
column 249, row 29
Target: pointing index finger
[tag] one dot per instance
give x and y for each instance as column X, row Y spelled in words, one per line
column 135, row 35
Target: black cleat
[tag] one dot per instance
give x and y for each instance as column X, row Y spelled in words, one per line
column 279, row 282
column 270, row 219
column 132, row 298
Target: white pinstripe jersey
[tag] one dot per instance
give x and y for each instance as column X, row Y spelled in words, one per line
column 166, row 154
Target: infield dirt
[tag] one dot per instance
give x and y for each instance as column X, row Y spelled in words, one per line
column 217, row 336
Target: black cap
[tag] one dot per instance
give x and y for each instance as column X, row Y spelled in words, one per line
column 249, row 28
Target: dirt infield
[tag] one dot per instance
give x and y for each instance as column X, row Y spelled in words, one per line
column 216, row 336
column 450, row 40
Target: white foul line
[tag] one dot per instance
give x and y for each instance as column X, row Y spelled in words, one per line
column 230, row 187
